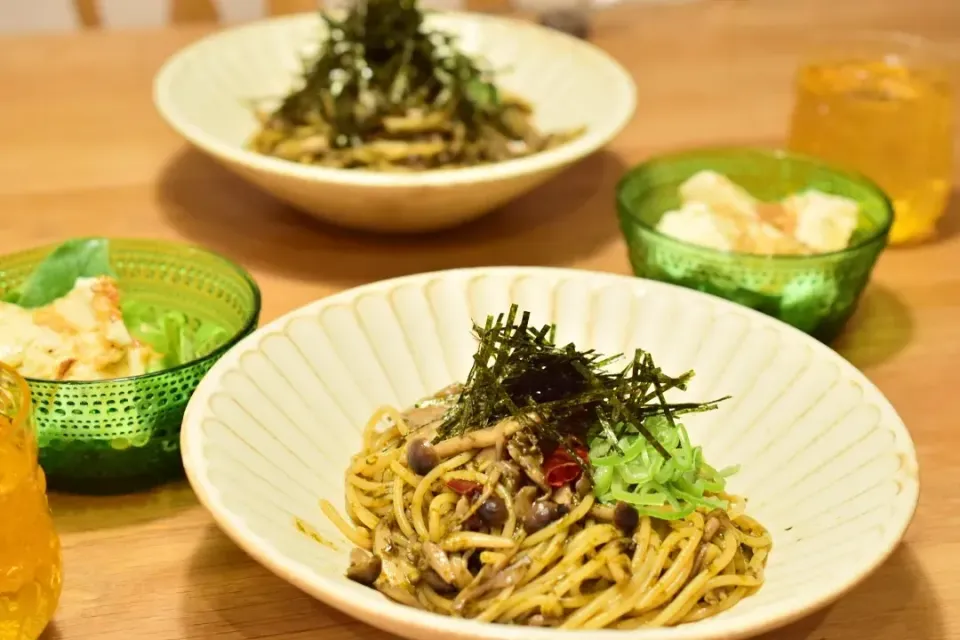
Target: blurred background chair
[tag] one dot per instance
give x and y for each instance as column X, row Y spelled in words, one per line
column 24, row 16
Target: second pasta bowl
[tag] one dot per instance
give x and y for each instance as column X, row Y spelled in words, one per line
column 206, row 92
column 501, row 484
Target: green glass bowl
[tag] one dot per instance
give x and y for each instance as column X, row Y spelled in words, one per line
column 122, row 435
column 815, row 293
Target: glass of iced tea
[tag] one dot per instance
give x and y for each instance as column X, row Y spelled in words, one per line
column 882, row 104
column 30, row 566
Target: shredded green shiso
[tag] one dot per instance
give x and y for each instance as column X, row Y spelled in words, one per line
column 633, row 471
column 639, row 453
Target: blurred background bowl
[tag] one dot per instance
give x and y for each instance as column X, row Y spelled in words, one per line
column 205, row 93
column 120, row 435
column 815, row 293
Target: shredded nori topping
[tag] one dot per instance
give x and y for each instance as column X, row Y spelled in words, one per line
column 561, row 392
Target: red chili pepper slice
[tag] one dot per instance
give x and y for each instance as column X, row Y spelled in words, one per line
column 464, row 487
column 560, row 468
column 563, row 473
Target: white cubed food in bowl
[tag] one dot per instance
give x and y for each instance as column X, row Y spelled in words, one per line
column 696, row 223
column 719, row 193
column 825, row 222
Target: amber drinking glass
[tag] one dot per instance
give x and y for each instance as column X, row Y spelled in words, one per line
column 30, row 565
column 882, row 104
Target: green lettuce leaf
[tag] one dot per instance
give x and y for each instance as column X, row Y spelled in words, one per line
column 58, row 273
column 171, row 333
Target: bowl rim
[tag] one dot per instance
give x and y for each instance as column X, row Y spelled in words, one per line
column 250, row 322
column 388, row 612
column 593, row 139
column 878, row 236
column 26, row 397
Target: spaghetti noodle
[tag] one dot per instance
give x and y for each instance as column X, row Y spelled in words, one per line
column 465, row 539
column 548, row 490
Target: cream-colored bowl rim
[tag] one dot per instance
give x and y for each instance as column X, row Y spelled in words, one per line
column 326, row 589
column 166, row 103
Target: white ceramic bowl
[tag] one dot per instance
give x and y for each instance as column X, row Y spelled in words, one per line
column 204, row 90
column 827, row 465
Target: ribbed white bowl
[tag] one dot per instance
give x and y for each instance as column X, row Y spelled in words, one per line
column 204, row 92
column 827, row 465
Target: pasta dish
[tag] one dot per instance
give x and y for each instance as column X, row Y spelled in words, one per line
column 386, row 92
column 550, row 489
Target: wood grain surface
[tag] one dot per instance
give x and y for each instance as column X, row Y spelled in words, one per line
column 83, row 152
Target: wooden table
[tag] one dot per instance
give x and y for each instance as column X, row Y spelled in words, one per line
column 84, row 153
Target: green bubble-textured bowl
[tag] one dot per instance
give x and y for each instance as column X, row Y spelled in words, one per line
column 120, row 435
column 815, row 293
